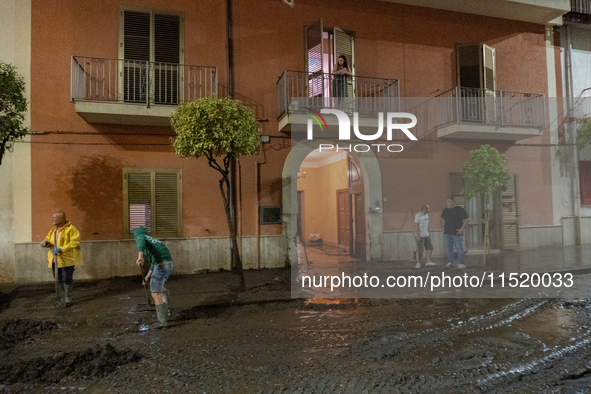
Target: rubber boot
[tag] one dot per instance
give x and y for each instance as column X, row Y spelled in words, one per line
column 68, row 294
column 167, row 302
column 162, row 314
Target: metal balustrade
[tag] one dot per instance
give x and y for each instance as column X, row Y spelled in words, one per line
column 499, row 107
column 580, row 6
column 364, row 95
column 140, row 82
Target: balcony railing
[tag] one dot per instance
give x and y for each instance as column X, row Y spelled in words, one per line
column 139, row 82
column 498, row 107
column 364, row 95
column 580, row 6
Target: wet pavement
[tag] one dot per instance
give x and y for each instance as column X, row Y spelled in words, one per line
column 260, row 340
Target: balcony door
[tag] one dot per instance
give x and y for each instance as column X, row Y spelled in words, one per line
column 323, row 48
column 150, row 53
column 476, row 74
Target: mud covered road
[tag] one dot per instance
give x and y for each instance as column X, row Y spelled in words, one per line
column 103, row 344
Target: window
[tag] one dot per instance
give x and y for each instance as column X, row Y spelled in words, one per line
column 151, row 47
column 585, row 179
column 152, row 198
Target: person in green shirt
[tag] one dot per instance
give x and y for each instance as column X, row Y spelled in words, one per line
column 160, row 270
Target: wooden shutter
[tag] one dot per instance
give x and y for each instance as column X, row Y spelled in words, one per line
column 585, row 180
column 315, row 61
column 489, row 83
column 136, row 35
column 167, row 207
column 510, row 218
column 166, row 58
column 344, row 45
column 139, row 200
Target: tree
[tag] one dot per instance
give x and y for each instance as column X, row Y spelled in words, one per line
column 584, row 134
column 13, row 106
column 485, row 172
column 217, row 128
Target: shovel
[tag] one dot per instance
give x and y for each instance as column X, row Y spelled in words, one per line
column 58, row 301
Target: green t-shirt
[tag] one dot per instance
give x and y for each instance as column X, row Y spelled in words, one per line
column 152, row 247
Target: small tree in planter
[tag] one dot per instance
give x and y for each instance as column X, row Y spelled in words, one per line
column 485, row 172
column 13, row 106
column 217, row 128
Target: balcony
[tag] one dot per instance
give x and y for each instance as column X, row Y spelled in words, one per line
column 131, row 92
column 365, row 96
column 533, row 11
column 482, row 114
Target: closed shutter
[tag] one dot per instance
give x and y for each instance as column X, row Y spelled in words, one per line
column 344, row 45
column 136, row 49
column 153, row 201
column 139, row 192
column 585, row 179
column 510, row 218
column 166, row 58
column 167, row 213
column 315, row 62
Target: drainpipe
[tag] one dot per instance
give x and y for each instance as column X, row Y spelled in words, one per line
column 257, row 245
column 571, row 124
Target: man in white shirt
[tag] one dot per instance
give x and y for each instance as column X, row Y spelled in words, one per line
column 422, row 236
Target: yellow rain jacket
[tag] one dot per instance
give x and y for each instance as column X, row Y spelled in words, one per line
column 69, row 241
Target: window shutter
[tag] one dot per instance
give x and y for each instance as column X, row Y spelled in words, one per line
column 166, row 57
column 510, row 218
column 489, row 80
column 314, row 47
column 167, row 215
column 166, row 38
column 139, row 191
column 343, row 45
column 456, row 181
column 585, row 176
column 136, row 35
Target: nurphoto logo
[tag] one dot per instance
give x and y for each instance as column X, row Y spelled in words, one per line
column 345, row 130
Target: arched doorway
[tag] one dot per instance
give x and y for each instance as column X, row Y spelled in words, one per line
column 359, row 190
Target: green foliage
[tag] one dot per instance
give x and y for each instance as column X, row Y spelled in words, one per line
column 13, row 106
column 584, row 134
column 485, row 171
column 214, row 126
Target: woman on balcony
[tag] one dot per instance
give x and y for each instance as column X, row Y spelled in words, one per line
column 340, row 73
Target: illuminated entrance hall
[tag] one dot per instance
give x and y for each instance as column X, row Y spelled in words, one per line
column 330, row 220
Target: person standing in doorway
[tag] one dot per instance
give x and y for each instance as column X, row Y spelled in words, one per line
column 454, row 220
column 340, row 72
column 422, row 236
column 160, row 270
column 63, row 240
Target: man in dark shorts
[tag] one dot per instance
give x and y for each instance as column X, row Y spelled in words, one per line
column 454, row 220
column 423, row 237
column 159, row 272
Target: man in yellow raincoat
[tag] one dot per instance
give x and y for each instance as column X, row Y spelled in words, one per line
column 63, row 241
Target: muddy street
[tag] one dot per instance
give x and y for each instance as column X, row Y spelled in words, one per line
column 262, row 341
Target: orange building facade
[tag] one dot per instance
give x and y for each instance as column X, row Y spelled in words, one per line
column 104, row 77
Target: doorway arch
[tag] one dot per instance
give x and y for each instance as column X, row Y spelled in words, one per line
column 372, row 185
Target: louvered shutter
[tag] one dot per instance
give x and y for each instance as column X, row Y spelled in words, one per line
column 167, row 213
column 343, row 45
column 136, row 49
column 456, row 182
column 510, row 218
column 585, row 180
column 166, row 58
column 314, row 47
column 139, row 192
column 489, row 83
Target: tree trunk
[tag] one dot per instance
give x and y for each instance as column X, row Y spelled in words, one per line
column 225, row 190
